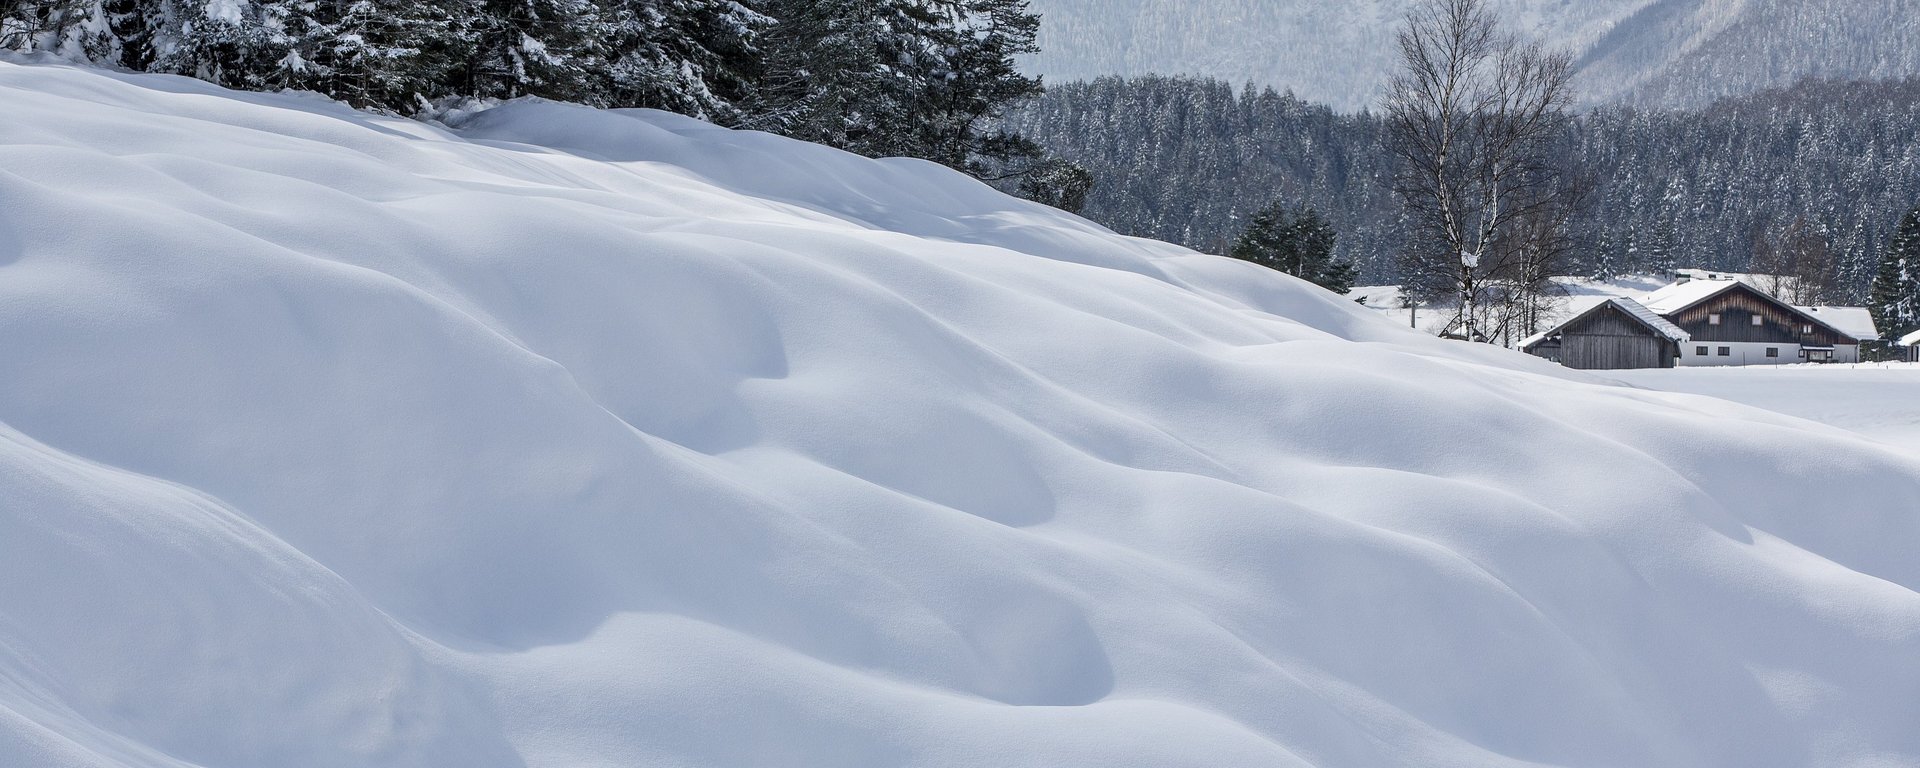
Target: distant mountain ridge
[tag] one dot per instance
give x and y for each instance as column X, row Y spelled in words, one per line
column 1653, row 52
column 1689, row 52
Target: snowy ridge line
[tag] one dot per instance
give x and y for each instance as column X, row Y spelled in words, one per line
column 567, row 437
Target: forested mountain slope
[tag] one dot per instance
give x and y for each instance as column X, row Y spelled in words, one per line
column 1657, row 52
column 1187, row 160
column 1690, row 53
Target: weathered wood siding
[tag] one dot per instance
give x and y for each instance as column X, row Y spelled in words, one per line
column 1608, row 339
column 1611, row 353
column 1737, row 309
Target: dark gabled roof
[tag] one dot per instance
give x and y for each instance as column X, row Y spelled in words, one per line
column 1680, row 297
column 1660, row 326
column 1653, row 320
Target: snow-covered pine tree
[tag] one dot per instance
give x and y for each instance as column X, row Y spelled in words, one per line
column 1662, row 251
column 1895, row 297
column 1297, row 242
column 232, row 43
column 832, row 74
column 1605, row 262
column 536, row 48
column 387, row 54
column 966, row 63
column 920, row 78
column 76, row 29
column 1058, row 183
column 695, row 57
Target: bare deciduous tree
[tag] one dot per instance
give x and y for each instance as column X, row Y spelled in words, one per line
column 1473, row 113
column 1537, row 247
column 1797, row 265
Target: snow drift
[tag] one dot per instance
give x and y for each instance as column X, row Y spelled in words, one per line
column 575, row 438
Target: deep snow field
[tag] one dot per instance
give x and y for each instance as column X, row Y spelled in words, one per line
column 569, row 438
column 1879, row 400
column 1579, row 295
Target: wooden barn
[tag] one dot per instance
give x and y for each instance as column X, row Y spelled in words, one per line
column 1614, row 335
column 1735, row 323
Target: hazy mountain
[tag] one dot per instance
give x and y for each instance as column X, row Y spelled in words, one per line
column 1684, row 52
column 1668, row 52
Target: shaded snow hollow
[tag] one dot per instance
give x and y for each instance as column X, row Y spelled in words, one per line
column 580, row 438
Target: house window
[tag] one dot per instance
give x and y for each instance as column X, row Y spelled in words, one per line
column 1806, row 328
column 1713, row 319
column 1701, row 351
column 1726, row 351
column 1773, row 351
column 1757, row 320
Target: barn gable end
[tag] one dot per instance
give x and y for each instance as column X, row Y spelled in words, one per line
column 1617, row 334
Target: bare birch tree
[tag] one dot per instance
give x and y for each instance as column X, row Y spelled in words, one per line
column 1538, row 246
column 1472, row 115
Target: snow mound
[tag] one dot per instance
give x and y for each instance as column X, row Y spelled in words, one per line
column 575, row 438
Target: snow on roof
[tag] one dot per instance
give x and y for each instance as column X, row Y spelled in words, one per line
column 1755, row 279
column 1679, row 296
column 1910, row 340
column 1856, row 322
column 1624, row 285
column 1659, row 324
column 1652, row 319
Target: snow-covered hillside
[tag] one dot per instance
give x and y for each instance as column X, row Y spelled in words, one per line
column 575, row 438
column 1662, row 52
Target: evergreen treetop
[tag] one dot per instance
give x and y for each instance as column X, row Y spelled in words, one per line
column 921, row 78
column 1895, row 296
column 1295, row 241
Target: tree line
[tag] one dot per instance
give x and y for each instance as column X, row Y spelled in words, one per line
column 923, row 78
column 1895, row 296
column 1192, row 160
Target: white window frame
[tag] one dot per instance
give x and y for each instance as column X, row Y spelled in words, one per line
column 1713, row 318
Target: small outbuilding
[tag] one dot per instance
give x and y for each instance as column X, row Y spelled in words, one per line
column 1617, row 334
column 1910, row 345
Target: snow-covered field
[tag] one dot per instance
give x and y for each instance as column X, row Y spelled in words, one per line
column 1879, row 400
column 1576, row 295
column 576, row 438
